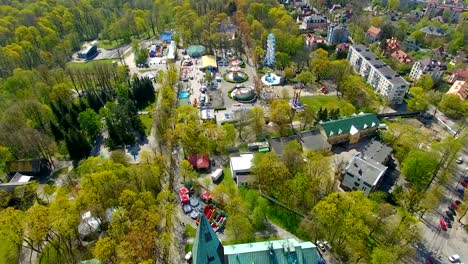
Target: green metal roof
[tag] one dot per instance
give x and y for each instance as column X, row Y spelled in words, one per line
column 345, row 125
column 206, row 247
column 277, row 251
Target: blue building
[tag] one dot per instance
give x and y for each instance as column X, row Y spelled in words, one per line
column 337, row 33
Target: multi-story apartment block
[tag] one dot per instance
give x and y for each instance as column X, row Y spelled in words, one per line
column 435, row 68
column 378, row 74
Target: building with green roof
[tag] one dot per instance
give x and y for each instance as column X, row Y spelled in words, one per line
column 207, row 249
column 278, row 251
column 349, row 129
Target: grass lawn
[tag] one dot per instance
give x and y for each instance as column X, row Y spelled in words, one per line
column 87, row 64
column 8, row 252
column 147, row 121
column 329, row 102
column 190, row 231
column 109, row 44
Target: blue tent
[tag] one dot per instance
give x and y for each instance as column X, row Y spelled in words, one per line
column 166, row 36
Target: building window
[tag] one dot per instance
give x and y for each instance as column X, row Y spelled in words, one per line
column 356, row 184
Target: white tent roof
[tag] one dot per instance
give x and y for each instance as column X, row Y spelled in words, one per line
column 242, row 163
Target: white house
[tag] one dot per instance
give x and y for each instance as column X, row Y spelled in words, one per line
column 363, row 174
column 240, row 168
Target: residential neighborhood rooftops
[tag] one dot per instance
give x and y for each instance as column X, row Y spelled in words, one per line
column 431, row 65
column 434, row 31
column 459, row 88
column 277, row 251
column 367, row 170
column 350, row 124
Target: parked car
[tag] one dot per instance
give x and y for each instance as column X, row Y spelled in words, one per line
column 449, row 224
column 464, row 184
column 459, row 160
column 320, row 245
column 443, row 224
column 327, row 245
column 454, row 258
column 449, row 215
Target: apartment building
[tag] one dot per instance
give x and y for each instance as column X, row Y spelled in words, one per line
column 378, row 74
column 433, row 67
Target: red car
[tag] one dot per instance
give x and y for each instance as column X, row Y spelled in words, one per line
column 443, row 225
column 464, row 184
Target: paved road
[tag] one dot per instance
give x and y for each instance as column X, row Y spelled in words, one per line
column 441, row 243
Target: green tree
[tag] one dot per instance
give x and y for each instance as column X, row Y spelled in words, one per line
column 187, row 172
column 281, row 114
column 418, row 101
column 393, row 4
column 257, row 123
column 425, row 81
column 453, row 106
column 270, row 174
column 418, row 167
column 90, row 122
column 306, row 77
column 292, row 157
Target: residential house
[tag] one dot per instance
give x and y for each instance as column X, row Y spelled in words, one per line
column 314, row 22
column 366, row 169
column 454, row 11
column 240, row 168
column 363, row 174
column 342, row 47
column 373, row 34
column 383, row 79
column 312, row 41
column 459, row 88
column 349, row 129
column 458, row 75
column 433, row 31
column 337, row 33
column 401, row 57
column 378, row 152
column 433, row 67
column 410, row 44
column 207, row 248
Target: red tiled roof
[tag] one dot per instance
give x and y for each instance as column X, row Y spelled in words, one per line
column 462, row 73
column 199, row 161
column 374, row 31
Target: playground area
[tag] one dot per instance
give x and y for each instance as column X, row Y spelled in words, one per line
column 193, row 205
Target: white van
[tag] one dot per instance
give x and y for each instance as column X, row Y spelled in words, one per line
column 215, row 175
